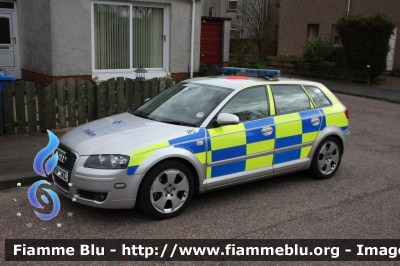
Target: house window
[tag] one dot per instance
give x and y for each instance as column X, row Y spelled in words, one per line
column 5, row 35
column 210, row 11
column 232, row 4
column 233, row 33
column 335, row 35
column 312, row 30
column 127, row 36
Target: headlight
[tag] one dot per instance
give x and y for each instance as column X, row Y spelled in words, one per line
column 107, row 161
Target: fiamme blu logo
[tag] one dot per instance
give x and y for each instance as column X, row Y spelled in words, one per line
column 45, row 167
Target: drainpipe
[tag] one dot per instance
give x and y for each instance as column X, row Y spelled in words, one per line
column 192, row 40
column 348, row 8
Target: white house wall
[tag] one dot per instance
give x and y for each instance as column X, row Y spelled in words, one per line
column 57, row 36
column 35, row 35
column 71, row 37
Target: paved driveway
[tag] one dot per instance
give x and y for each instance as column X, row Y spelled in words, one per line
column 361, row 201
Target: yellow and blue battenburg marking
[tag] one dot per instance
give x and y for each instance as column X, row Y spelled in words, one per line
column 138, row 156
column 295, row 129
column 194, row 143
column 334, row 116
column 291, row 138
column 236, row 141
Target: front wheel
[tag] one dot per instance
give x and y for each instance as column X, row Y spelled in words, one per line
column 167, row 190
column 326, row 159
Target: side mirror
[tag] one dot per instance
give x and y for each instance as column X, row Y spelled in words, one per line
column 146, row 100
column 224, row 119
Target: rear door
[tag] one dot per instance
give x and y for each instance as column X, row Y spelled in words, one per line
column 235, row 152
column 297, row 125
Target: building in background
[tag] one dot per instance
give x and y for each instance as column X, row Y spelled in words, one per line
column 215, row 33
column 255, row 18
column 48, row 40
column 302, row 19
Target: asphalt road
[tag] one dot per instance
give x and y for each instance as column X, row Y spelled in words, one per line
column 361, row 201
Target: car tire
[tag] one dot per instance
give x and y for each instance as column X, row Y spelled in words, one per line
column 166, row 190
column 326, row 159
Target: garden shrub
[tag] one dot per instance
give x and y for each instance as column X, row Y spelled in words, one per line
column 317, row 50
column 365, row 40
column 240, row 46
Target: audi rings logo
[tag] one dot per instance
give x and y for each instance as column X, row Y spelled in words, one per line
column 32, row 198
column 44, row 167
column 62, row 157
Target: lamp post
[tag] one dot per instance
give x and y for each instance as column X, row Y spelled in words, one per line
column 140, row 72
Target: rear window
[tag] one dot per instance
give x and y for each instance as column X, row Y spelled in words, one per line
column 290, row 99
column 318, row 96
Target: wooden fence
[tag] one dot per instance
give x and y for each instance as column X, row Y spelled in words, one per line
column 210, row 70
column 348, row 72
column 30, row 107
column 286, row 65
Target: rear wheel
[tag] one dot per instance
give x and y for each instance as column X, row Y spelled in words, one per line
column 326, row 159
column 167, row 190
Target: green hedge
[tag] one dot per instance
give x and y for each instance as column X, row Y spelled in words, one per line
column 317, row 50
column 365, row 40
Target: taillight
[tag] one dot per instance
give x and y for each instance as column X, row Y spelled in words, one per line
column 347, row 114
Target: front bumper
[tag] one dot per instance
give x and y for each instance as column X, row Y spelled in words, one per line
column 101, row 188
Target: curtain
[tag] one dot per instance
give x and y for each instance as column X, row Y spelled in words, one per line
column 147, row 33
column 112, row 33
column 111, row 36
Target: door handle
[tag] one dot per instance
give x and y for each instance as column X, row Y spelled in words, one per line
column 315, row 121
column 15, row 40
column 266, row 131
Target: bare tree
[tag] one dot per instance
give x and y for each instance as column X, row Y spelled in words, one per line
column 252, row 19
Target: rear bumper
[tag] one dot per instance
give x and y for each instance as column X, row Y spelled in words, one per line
column 346, row 139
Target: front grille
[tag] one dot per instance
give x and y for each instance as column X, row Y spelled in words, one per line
column 61, row 182
column 71, row 158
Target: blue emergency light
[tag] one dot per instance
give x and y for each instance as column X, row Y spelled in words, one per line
column 249, row 71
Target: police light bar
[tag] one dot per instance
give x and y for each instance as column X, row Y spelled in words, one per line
column 249, row 71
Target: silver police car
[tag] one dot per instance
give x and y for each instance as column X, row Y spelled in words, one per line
column 200, row 135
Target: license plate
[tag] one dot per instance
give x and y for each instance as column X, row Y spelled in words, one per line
column 61, row 173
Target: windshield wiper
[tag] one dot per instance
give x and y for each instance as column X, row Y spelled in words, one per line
column 140, row 115
column 144, row 116
column 179, row 123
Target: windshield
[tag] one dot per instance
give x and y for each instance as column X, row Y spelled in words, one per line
column 183, row 104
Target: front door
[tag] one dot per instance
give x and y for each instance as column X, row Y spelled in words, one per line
column 9, row 52
column 236, row 152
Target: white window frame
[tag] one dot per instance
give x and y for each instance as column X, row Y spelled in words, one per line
column 233, row 1
column 313, row 28
column 105, row 74
column 335, row 33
